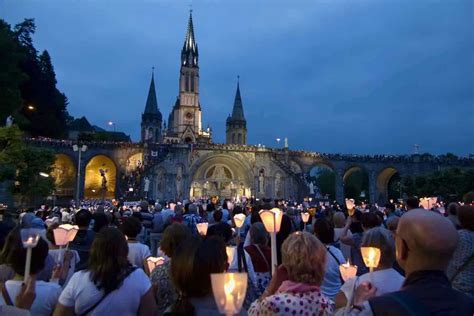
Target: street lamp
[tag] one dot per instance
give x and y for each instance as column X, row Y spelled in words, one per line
column 278, row 141
column 80, row 149
column 112, row 124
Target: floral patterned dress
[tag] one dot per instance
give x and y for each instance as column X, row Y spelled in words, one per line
column 165, row 293
column 294, row 299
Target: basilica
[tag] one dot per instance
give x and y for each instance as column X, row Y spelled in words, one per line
column 177, row 159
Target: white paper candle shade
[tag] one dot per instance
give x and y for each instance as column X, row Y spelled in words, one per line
column 230, row 254
column 229, row 291
column 271, row 219
column 239, row 220
column 305, row 217
column 29, row 237
column 153, row 262
column 350, row 203
column 371, row 256
column 65, row 234
column 202, row 228
column 348, row 271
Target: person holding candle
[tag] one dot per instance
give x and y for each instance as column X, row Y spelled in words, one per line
column 191, row 270
column 173, row 236
column 47, row 293
column 295, row 287
column 425, row 243
column 84, row 238
column 110, row 285
column 386, row 278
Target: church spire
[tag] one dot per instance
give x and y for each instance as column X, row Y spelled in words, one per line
column 189, row 53
column 238, row 110
column 151, row 103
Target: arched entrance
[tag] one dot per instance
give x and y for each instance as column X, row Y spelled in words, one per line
column 356, row 183
column 388, row 185
column 322, row 181
column 64, row 174
column 100, row 178
column 221, row 175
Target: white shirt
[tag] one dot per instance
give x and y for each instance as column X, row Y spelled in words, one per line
column 137, row 252
column 82, row 294
column 332, row 277
column 58, row 255
column 386, row 281
column 46, row 296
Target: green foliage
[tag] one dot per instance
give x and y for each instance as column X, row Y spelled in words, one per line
column 11, row 77
column 356, row 183
column 22, row 164
column 28, row 89
column 452, row 184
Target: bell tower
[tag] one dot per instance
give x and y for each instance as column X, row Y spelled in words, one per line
column 236, row 125
column 185, row 120
column 151, row 117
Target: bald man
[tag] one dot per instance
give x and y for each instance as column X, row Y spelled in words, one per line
column 425, row 242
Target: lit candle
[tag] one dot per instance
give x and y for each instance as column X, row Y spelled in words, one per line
column 229, row 291
column 153, row 262
column 371, row 257
column 305, row 219
column 202, row 228
column 230, row 254
column 272, row 221
column 347, row 270
column 29, row 238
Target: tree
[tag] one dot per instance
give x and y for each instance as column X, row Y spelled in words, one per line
column 21, row 165
column 11, row 76
column 28, row 84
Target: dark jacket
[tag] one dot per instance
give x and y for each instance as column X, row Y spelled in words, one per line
column 423, row 293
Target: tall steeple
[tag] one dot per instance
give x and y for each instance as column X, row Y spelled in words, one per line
column 151, row 103
column 151, row 117
column 238, row 110
column 189, row 53
column 236, row 125
column 185, row 120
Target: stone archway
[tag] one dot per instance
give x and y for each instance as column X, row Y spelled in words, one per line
column 64, row 174
column 383, row 179
column 323, row 178
column 100, row 178
column 356, row 183
column 220, row 175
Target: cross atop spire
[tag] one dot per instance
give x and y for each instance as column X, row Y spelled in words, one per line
column 189, row 53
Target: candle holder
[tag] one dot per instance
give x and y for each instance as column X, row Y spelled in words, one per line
column 348, row 271
column 272, row 221
column 371, row 257
column 29, row 238
column 239, row 220
column 153, row 262
column 202, row 228
column 229, row 291
column 305, row 219
column 230, row 254
column 350, row 205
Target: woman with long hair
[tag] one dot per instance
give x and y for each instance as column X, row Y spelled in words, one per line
column 191, row 270
column 110, row 285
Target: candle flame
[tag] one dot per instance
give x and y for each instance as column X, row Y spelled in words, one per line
column 229, row 286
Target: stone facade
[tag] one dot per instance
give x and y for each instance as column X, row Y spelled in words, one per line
column 179, row 171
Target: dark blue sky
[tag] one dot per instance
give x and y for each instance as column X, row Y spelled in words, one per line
column 355, row 76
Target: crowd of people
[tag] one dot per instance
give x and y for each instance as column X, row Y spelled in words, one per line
column 426, row 265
